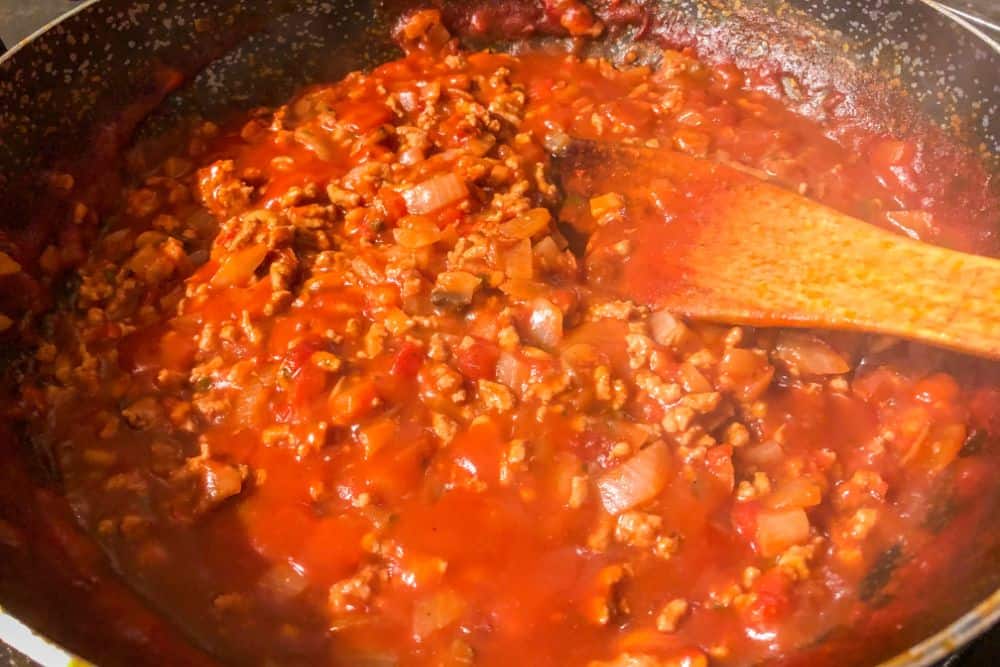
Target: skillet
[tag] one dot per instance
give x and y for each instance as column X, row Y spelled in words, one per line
column 94, row 75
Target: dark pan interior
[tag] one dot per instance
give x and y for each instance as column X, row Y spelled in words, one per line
column 87, row 68
column 899, row 65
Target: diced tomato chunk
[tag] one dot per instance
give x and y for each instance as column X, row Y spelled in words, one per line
column 744, row 518
column 284, row 331
column 376, row 435
column 391, row 204
column 879, row 385
column 478, row 361
column 176, row 351
column 937, row 388
column 719, row 461
column 772, row 603
column 298, row 357
column 352, row 400
column 310, row 382
column 363, row 116
column 476, row 453
column 407, row 361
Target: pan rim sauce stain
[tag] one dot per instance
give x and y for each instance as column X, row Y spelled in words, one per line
column 356, row 395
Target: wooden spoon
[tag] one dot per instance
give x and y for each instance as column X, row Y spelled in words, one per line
column 746, row 251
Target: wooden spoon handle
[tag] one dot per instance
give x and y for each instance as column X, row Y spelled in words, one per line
column 739, row 249
column 791, row 261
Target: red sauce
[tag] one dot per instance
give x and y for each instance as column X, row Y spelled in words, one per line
column 335, row 388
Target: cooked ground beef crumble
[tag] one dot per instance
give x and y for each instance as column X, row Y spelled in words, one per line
column 345, row 384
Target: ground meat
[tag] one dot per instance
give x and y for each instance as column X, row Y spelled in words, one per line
column 222, row 192
column 359, row 363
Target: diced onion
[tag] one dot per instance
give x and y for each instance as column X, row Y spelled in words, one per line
column 580, row 355
column 546, row 323
column 512, row 370
column 637, row 480
column 458, row 281
column 366, row 272
column 454, row 288
column 460, row 654
column 416, row 232
column 556, row 141
column 317, row 142
column 219, row 481
column 408, row 100
column 606, row 207
column 693, row 379
column 519, row 261
column 350, row 400
column 941, row 446
column 376, row 435
column 632, row 433
column 436, row 612
column 523, row 290
column 805, row 354
column 795, row 492
column 765, row 453
column 284, row 580
column 481, row 145
column 777, row 530
column 527, row 224
column 745, row 373
column 435, row 193
column 411, row 156
column 547, row 251
column 668, row 330
column 248, row 404
column 239, row 267
column 565, row 467
column 8, row 265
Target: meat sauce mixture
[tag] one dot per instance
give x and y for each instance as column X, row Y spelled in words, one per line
column 345, row 383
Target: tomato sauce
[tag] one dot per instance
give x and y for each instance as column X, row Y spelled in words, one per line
column 352, row 382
